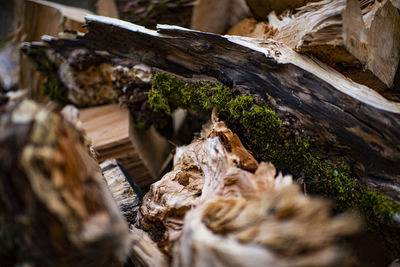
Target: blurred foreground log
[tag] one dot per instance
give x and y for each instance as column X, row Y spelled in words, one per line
column 56, row 209
column 219, row 207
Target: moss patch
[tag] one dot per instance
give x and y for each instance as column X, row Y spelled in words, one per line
column 53, row 87
column 263, row 132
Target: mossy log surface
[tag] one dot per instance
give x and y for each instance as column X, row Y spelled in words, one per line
column 346, row 117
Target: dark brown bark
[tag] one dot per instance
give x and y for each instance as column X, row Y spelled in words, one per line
column 348, row 118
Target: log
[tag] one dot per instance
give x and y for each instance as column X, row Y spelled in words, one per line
column 219, row 207
column 127, row 200
column 150, row 13
column 34, row 18
column 360, row 40
column 113, row 136
column 345, row 119
column 344, row 116
column 56, row 208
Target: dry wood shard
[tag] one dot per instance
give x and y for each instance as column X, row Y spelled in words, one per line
column 211, row 209
column 361, row 40
column 127, row 200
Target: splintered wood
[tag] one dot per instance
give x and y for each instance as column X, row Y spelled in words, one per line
column 56, row 207
column 127, row 200
column 359, row 39
column 219, row 206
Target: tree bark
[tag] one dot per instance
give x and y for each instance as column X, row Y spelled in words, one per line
column 343, row 116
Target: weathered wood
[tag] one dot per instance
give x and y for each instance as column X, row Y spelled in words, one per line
column 34, row 18
column 219, row 207
column 145, row 251
column 344, row 118
column 56, row 209
column 359, row 39
column 343, row 115
column 127, row 200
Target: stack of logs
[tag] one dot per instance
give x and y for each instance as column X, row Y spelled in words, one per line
column 71, row 185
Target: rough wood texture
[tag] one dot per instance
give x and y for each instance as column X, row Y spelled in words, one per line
column 56, row 209
column 127, row 200
column 219, row 207
column 145, row 251
column 359, row 39
column 337, row 112
column 34, row 18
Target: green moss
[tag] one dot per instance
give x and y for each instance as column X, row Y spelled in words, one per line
column 263, row 133
column 53, row 86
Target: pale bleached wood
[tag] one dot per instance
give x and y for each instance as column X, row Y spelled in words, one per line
column 347, row 38
column 221, row 208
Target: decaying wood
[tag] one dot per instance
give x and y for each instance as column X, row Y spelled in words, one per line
column 219, row 207
column 56, row 207
column 127, row 200
column 113, row 136
column 34, row 18
column 360, row 40
column 347, row 117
